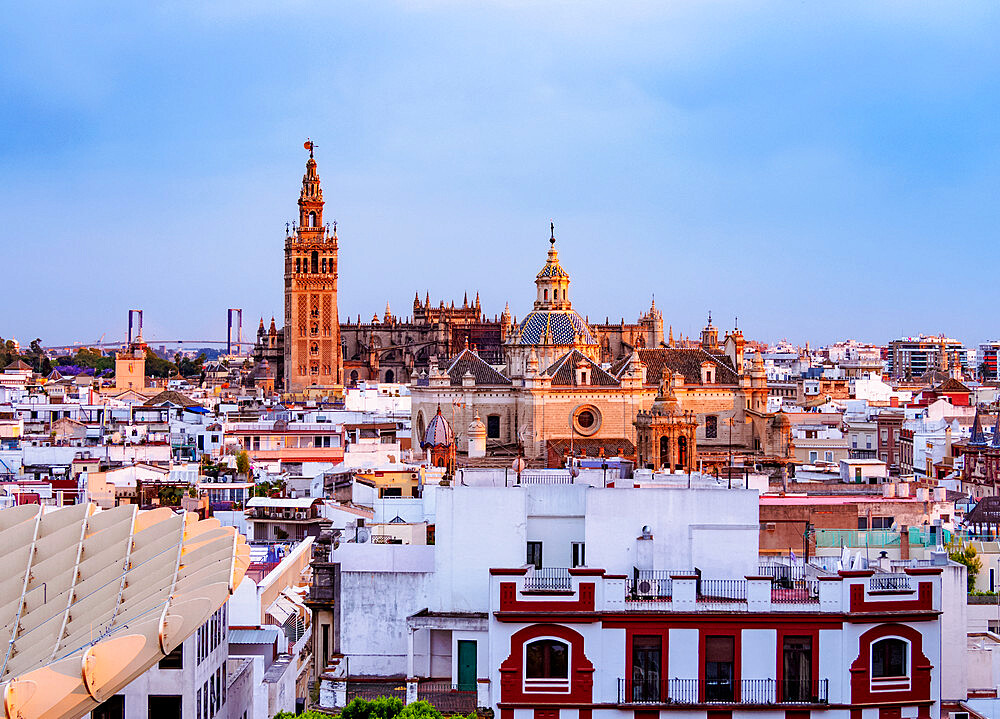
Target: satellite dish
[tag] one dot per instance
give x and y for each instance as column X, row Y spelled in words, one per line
column 519, row 464
column 364, row 535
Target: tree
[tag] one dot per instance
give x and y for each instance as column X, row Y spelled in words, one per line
column 968, row 556
column 243, row 463
column 420, row 710
column 170, row 495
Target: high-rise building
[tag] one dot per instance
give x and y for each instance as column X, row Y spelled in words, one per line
column 313, row 357
column 912, row 357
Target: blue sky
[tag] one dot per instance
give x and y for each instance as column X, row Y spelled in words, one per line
column 822, row 170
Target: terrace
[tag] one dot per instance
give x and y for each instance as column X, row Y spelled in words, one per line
column 688, row 591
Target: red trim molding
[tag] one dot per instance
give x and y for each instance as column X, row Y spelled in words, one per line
column 921, row 571
column 924, row 601
column 511, row 602
column 920, row 667
column 586, row 572
column 581, row 670
column 508, row 572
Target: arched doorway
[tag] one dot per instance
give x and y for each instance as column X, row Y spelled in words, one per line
column 390, row 376
column 682, row 452
column 664, row 452
column 354, row 378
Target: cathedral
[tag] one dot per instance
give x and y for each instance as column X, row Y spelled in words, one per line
column 555, row 393
column 302, row 358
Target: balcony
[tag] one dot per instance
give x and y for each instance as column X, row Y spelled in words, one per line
column 758, row 692
column 548, row 579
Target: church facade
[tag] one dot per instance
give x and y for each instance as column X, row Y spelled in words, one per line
column 553, row 395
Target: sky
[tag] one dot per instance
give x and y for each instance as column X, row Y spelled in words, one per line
column 820, row 170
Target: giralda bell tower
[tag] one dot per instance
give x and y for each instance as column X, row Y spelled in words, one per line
column 313, row 357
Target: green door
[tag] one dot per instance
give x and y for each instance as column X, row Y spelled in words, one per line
column 466, row 665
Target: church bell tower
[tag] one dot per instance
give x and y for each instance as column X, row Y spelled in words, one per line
column 313, row 358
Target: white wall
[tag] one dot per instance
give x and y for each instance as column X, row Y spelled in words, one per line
column 715, row 530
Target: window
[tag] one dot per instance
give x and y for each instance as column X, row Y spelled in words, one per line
column 813, row 456
column 895, row 435
column 889, row 658
column 546, row 665
column 647, row 653
column 885, row 435
column 312, row 219
column 113, row 708
column 534, row 555
column 828, row 456
column 174, row 660
column 168, row 707
column 711, row 427
column 797, row 667
column 493, row 426
column 298, row 264
column 580, row 554
column 862, row 523
column 720, row 655
column 882, row 522
column 314, row 268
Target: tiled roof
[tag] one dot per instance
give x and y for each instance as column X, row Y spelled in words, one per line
column 563, row 371
column 175, row 398
column 619, row 365
column 18, row 365
column 951, row 385
column 469, row 361
column 687, row 361
column 564, row 327
column 552, row 269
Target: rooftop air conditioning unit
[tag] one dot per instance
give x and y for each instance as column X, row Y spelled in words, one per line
column 650, row 588
column 300, row 515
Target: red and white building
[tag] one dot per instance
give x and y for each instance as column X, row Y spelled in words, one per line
column 861, row 645
column 563, row 601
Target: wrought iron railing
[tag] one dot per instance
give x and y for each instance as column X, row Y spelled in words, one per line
column 707, row 691
column 722, row 590
column 652, row 583
column 890, row 583
column 548, row 579
column 449, row 698
column 799, row 591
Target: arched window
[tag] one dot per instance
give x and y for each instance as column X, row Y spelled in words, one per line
column 298, row 264
column 390, row 376
column 546, row 294
column 890, row 658
column 315, row 263
column 324, row 265
column 711, row 427
column 312, row 219
column 354, row 378
column 546, row 665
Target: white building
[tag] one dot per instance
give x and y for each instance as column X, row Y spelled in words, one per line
column 573, row 600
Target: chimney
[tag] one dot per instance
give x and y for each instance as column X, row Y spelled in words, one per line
column 894, row 401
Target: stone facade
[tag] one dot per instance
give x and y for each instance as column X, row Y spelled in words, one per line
column 313, row 360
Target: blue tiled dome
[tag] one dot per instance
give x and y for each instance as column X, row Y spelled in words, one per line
column 439, row 433
column 552, row 269
column 565, row 327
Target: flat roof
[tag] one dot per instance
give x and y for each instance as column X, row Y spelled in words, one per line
column 832, row 500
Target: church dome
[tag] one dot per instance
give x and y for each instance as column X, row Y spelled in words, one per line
column 553, row 327
column 439, row 432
